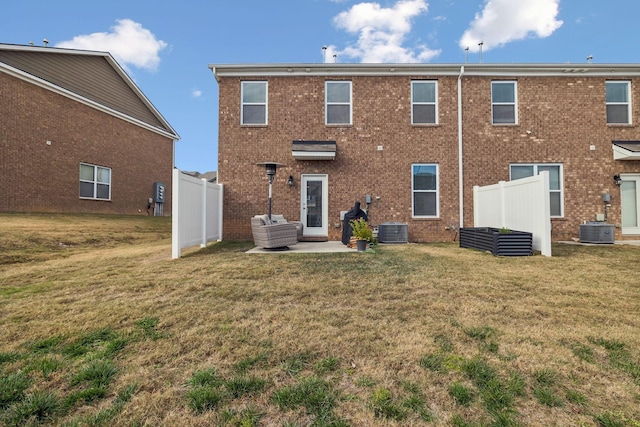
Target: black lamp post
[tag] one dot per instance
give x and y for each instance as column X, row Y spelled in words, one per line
column 270, row 169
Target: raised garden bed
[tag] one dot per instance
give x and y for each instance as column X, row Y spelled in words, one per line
column 499, row 242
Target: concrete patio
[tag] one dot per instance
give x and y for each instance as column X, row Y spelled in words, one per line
column 332, row 246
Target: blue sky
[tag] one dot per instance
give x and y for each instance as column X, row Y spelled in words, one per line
column 166, row 46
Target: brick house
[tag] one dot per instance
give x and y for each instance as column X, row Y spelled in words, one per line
column 416, row 138
column 77, row 135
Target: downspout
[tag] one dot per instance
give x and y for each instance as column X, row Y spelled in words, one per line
column 460, row 173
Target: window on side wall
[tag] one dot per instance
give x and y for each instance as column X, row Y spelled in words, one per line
column 556, row 191
column 618, row 102
column 254, row 103
column 424, row 102
column 337, row 103
column 95, row 182
column 504, row 103
column 424, row 186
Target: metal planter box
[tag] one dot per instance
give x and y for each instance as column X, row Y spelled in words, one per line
column 513, row 243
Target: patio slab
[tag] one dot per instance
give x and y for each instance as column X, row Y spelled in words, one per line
column 332, row 246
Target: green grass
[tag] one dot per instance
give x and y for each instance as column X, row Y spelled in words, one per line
column 12, row 388
column 107, row 330
column 316, row 396
column 462, row 394
column 384, row 406
column 82, row 368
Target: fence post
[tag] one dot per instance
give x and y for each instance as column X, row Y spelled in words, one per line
column 175, row 214
column 503, row 203
column 204, row 213
column 476, row 205
column 220, row 210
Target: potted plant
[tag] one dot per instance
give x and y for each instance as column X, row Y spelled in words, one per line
column 362, row 232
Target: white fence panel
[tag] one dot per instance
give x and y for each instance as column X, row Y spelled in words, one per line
column 522, row 205
column 196, row 213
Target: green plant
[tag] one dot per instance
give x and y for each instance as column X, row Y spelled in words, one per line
column 433, row 362
column 240, row 386
column 329, row 364
column 384, row 406
column 314, row 394
column 504, row 230
column 546, row 396
column 202, row 399
column 12, row 388
column 576, row 397
column 98, row 373
column 205, row 378
column 245, row 418
column 461, row 393
column 361, row 229
column 36, row 408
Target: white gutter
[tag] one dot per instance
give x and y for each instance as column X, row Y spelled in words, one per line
column 460, row 172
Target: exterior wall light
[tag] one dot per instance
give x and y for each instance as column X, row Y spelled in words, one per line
column 290, row 181
column 617, row 180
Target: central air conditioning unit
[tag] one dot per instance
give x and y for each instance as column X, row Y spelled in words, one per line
column 596, row 232
column 393, row 232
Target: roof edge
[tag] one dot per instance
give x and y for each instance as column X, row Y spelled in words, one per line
column 483, row 69
column 72, row 95
column 116, row 66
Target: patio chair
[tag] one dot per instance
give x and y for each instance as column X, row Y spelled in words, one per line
column 276, row 219
column 268, row 235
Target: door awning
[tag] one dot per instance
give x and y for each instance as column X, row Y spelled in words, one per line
column 313, row 150
column 626, row 150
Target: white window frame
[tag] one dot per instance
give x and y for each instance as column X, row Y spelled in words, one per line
column 434, row 103
column 327, row 104
column 613, row 103
column 264, row 103
column 514, row 103
column 95, row 182
column 536, row 171
column 436, row 190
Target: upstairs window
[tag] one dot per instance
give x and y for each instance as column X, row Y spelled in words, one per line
column 424, row 104
column 254, row 103
column 95, row 182
column 504, row 105
column 424, row 185
column 618, row 102
column 337, row 103
column 555, row 182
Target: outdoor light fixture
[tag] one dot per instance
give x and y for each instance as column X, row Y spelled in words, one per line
column 270, row 169
column 290, row 181
column 617, row 180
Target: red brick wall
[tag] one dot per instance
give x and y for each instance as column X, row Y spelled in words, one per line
column 565, row 116
column 36, row 177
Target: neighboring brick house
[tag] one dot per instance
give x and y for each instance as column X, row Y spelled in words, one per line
column 416, row 136
column 77, row 135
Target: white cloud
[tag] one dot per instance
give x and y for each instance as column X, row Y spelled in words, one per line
column 382, row 32
column 129, row 42
column 196, row 93
column 504, row 21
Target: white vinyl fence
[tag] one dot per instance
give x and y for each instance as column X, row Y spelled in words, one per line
column 196, row 213
column 521, row 205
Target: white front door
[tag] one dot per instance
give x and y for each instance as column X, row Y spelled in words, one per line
column 314, row 206
column 630, row 203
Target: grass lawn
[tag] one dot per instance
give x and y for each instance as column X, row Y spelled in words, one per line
column 99, row 327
